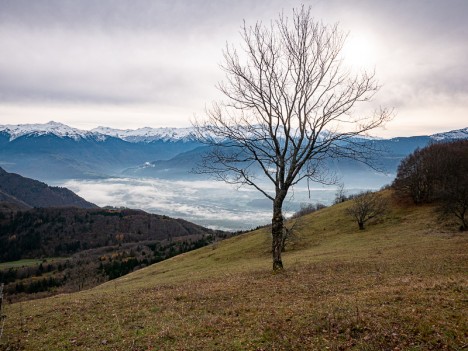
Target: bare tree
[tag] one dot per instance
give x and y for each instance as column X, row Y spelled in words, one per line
column 365, row 206
column 416, row 174
column 288, row 108
column 289, row 234
column 340, row 195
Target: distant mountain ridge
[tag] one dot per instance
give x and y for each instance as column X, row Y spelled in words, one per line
column 55, row 128
column 55, row 152
column 61, row 130
column 145, row 134
column 27, row 193
column 148, row 134
column 454, row 134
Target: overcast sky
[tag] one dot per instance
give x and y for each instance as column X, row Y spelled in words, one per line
column 136, row 63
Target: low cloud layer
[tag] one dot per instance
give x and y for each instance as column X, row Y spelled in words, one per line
column 209, row 203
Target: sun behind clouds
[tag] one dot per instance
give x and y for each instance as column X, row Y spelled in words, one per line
column 360, row 52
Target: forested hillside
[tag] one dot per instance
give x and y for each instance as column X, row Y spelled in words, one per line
column 68, row 249
column 33, row 193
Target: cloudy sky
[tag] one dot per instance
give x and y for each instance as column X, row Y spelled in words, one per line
column 135, row 63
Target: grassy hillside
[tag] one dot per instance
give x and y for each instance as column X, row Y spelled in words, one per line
column 399, row 285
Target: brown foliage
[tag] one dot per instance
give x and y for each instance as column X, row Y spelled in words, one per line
column 438, row 172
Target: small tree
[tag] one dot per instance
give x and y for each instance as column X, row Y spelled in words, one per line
column 289, row 234
column 340, row 195
column 365, row 206
column 289, row 107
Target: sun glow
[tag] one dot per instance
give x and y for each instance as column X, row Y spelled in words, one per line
column 359, row 52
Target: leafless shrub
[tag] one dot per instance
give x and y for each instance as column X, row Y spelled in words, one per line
column 340, row 195
column 365, row 206
column 307, row 209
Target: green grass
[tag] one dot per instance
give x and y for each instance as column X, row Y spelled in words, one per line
column 399, row 285
column 28, row 262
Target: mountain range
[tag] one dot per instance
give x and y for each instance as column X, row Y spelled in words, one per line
column 54, row 151
column 26, row 193
column 146, row 134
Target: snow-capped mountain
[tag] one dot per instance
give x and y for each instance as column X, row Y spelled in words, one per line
column 454, row 134
column 141, row 135
column 148, row 134
column 52, row 128
column 56, row 151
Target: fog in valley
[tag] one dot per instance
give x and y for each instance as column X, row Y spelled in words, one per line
column 206, row 202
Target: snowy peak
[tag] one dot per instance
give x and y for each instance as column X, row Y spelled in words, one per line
column 454, row 134
column 55, row 128
column 142, row 135
column 148, row 134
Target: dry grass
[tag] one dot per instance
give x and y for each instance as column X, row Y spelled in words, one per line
column 400, row 285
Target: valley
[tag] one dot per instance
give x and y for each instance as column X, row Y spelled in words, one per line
column 209, row 203
column 53, row 241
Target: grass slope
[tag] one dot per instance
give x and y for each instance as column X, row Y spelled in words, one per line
column 28, row 262
column 400, row 284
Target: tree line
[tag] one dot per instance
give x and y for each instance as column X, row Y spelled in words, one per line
column 438, row 174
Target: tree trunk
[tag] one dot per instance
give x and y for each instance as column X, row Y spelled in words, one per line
column 277, row 234
column 464, row 221
column 361, row 225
